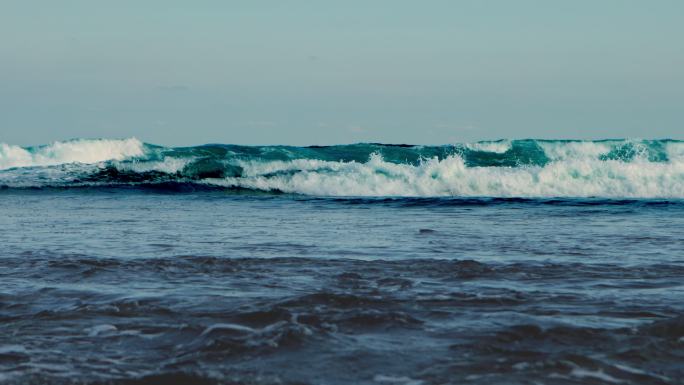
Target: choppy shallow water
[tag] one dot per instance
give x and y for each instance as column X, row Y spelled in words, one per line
column 127, row 286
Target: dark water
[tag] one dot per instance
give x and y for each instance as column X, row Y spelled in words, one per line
column 148, row 286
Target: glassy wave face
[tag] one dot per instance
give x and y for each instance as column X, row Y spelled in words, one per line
column 504, row 168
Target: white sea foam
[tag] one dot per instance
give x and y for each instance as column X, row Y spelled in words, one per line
column 675, row 151
column 228, row 327
column 253, row 168
column 384, row 379
column 167, row 165
column 583, row 177
column 630, row 369
column 76, row 151
column 576, row 150
column 13, row 349
column 582, row 373
column 499, row 146
column 575, row 169
column 101, row 329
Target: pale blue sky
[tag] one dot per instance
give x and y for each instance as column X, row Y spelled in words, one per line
column 324, row 72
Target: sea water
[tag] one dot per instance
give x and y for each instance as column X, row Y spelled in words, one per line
column 500, row 262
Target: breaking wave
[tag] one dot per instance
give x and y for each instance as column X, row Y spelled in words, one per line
column 504, row 168
column 76, row 151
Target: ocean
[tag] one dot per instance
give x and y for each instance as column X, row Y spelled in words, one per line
column 497, row 262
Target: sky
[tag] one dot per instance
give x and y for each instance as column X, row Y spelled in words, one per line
column 300, row 72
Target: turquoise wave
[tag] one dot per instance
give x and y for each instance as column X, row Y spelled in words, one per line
column 506, row 168
column 501, row 153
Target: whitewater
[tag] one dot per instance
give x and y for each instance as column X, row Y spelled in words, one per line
column 622, row 168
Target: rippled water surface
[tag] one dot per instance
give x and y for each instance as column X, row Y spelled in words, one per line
column 138, row 286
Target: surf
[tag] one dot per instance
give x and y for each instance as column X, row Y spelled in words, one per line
column 614, row 168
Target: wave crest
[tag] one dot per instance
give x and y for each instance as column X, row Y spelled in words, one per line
column 525, row 168
column 452, row 177
column 74, row 151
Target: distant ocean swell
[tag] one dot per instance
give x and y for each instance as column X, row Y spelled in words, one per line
column 504, row 168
